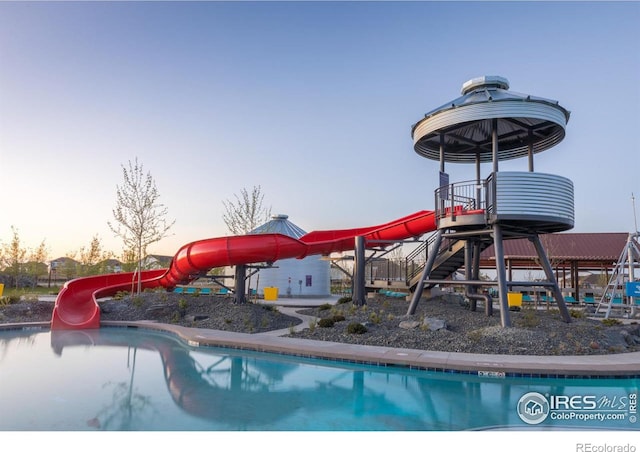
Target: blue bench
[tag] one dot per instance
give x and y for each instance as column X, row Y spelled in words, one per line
column 570, row 300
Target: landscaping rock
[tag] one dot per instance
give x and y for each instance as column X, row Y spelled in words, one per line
column 409, row 324
column 434, row 324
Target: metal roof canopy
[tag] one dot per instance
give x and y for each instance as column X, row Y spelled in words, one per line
column 279, row 224
column 489, row 123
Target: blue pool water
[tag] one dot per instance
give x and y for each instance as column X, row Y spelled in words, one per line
column 124, row 379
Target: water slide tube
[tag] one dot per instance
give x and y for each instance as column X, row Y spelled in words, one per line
column 76, row 305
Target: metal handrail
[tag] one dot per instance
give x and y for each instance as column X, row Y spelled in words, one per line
column 466, row 195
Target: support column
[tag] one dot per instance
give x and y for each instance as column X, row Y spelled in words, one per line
column 468, row 273
column 241, row 276
column 631, row 262
column 359, row 291
column 530, row 151
column 494, row 144
column 417, row 294
column 546, row 266
column 501, row 271
column 488, row 309
column 575, row 279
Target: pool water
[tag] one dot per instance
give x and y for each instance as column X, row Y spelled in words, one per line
column 127, row 379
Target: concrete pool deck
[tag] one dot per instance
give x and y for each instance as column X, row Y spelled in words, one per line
column 596, row 366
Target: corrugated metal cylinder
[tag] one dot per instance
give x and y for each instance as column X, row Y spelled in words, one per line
column 537, row 197
column 308, row 277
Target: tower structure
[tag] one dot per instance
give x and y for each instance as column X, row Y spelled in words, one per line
column 490, row 124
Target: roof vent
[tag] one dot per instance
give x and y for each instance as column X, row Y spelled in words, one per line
column 487, row 81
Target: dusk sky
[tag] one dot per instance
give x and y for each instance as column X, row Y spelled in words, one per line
column 312, row 101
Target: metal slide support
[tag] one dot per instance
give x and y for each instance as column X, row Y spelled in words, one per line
column 633, row 258
column 241, row 275
column 359, row 292
column 417, row 294
column 488, row 307
column 548, row 270
column 505, row 318
column 468, row 273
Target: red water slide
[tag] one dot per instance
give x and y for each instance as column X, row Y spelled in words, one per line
column 76, row 306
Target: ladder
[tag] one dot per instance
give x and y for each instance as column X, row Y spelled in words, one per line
column 617, row 295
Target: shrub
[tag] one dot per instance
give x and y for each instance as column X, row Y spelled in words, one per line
column 12, row 299
column 577, row 314
column 326, row 323
column 182, row 304
column 343, row 300
column 611, row 322
column 324, row 307
column 137, row 301
column 338, row 318
column 356, row 328
column 120, row 295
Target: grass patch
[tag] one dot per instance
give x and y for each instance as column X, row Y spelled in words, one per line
column 529, row 319
column 577, row 313
column 137, row 301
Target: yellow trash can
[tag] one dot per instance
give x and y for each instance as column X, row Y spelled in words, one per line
column 270, row 293
column 514, row 299
column 1, row 289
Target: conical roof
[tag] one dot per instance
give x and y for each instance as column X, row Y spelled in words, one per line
column 280, row 224
column 464, row 126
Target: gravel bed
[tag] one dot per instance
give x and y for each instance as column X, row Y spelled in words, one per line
column 534, row 331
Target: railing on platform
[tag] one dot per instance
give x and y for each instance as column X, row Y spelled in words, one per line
column 460, row 196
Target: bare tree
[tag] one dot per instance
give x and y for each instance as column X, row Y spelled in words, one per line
column 246, row 212
column 140, row 219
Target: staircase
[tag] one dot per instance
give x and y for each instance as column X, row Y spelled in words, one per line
column 450, row 258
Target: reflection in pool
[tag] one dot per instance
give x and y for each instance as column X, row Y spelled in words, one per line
column 128, row 379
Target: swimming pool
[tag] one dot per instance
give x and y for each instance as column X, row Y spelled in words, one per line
column 121, row 379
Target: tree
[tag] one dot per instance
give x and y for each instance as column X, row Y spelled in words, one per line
column 246, row 212
column 140, row 219
column 93, row 259
column 128, row 260
column 37, row 259
column 14, row 256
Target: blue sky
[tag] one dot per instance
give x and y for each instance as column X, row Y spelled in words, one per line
column 313, row 101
